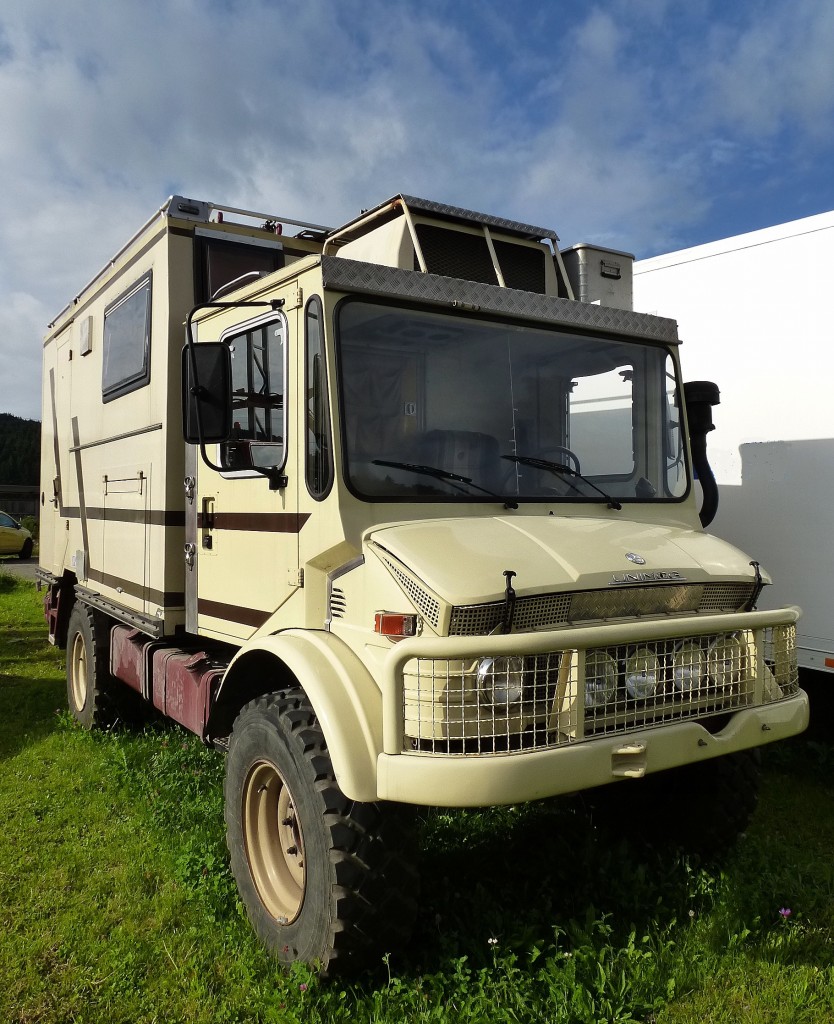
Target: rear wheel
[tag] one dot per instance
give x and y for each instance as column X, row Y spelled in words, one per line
column 325, row 880
column 88, row 671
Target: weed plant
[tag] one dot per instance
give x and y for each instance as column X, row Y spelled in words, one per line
column 117, row 904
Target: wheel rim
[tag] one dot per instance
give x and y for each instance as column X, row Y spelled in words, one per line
column 274, row 843
column 78, row 672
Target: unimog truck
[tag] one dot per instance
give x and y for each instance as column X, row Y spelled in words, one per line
column 403, row 513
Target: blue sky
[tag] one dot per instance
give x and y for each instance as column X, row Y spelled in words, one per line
column 648, row 125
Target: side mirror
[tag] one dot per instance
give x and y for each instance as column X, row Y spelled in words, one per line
column 206, row 393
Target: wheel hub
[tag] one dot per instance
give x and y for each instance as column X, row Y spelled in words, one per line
column 79, row 672
column 274, row 842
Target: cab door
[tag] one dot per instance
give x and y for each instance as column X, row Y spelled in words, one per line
column 242, row 534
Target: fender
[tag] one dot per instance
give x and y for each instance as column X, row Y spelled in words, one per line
column 344, row 696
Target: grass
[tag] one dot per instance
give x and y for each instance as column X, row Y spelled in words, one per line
column 116, row 902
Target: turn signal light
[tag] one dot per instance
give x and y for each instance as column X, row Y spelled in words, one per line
column 394, row 624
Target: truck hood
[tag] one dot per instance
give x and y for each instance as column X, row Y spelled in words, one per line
column 463, row 560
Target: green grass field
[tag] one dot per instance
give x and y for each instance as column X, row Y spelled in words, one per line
column 116, row 902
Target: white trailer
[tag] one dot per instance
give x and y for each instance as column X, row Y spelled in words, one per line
column 755, row 312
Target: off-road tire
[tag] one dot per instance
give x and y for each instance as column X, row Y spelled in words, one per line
column 699, row 808
column 89, row 683
column 26, row 551
column 325, row 880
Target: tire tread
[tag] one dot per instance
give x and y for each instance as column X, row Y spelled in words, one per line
column 373, row 900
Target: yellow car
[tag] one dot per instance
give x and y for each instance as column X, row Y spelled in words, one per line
column 14, row 538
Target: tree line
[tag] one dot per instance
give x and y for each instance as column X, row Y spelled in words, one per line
column 20, row 450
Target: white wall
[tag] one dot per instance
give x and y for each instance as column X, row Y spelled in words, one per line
column 755, row 314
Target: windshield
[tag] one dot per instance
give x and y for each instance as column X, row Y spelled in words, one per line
column 440, row 406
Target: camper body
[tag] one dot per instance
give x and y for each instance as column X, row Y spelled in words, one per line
column 433, row 540
column 742, row 303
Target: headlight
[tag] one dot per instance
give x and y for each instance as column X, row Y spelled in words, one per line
column 688, row 666
column 726, row 659
column 501, row 680
column 600, row 679
column 642, row 673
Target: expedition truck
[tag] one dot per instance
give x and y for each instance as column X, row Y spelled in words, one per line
column 397, row 514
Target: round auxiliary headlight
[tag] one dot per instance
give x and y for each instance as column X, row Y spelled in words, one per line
column 501, row 680
column 688, row 667
column 600, row 679
column 726, row 659
column 642, row 673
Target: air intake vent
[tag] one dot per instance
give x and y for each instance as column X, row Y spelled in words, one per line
column 549, row 611
column 426, row 604
column 522, row 267
column 467, row 256
column 338, row 604
column 455, row 254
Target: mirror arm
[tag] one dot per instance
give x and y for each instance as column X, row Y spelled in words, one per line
column 277, row 480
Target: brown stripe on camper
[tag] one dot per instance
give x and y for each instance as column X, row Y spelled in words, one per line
column 150, row 517
column 167, row 598
column 254, row 522
column 232, row 612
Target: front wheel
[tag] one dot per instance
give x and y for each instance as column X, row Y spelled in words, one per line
column 26, row 551
column 325, row 880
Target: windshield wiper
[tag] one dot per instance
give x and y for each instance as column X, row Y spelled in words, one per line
column 443, row 474
column 561, row 470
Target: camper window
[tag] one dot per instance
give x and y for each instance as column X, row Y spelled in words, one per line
column 127, row 341
column 224, row 261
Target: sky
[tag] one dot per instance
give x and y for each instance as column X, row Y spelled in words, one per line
column 646, row 125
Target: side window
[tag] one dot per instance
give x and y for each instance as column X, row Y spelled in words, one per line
column 319, row 458
column 127, row 342
column 676, row 478
column 258, row 407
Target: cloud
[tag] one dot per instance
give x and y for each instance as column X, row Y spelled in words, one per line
column 773, row 70
column 22, row 319
column 628, row 122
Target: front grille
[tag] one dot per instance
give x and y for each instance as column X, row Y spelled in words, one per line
column 632, row 686
column 782, row 668
column 548, row 611
column 531, row 613
column 457, row 707
column 519, row 703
